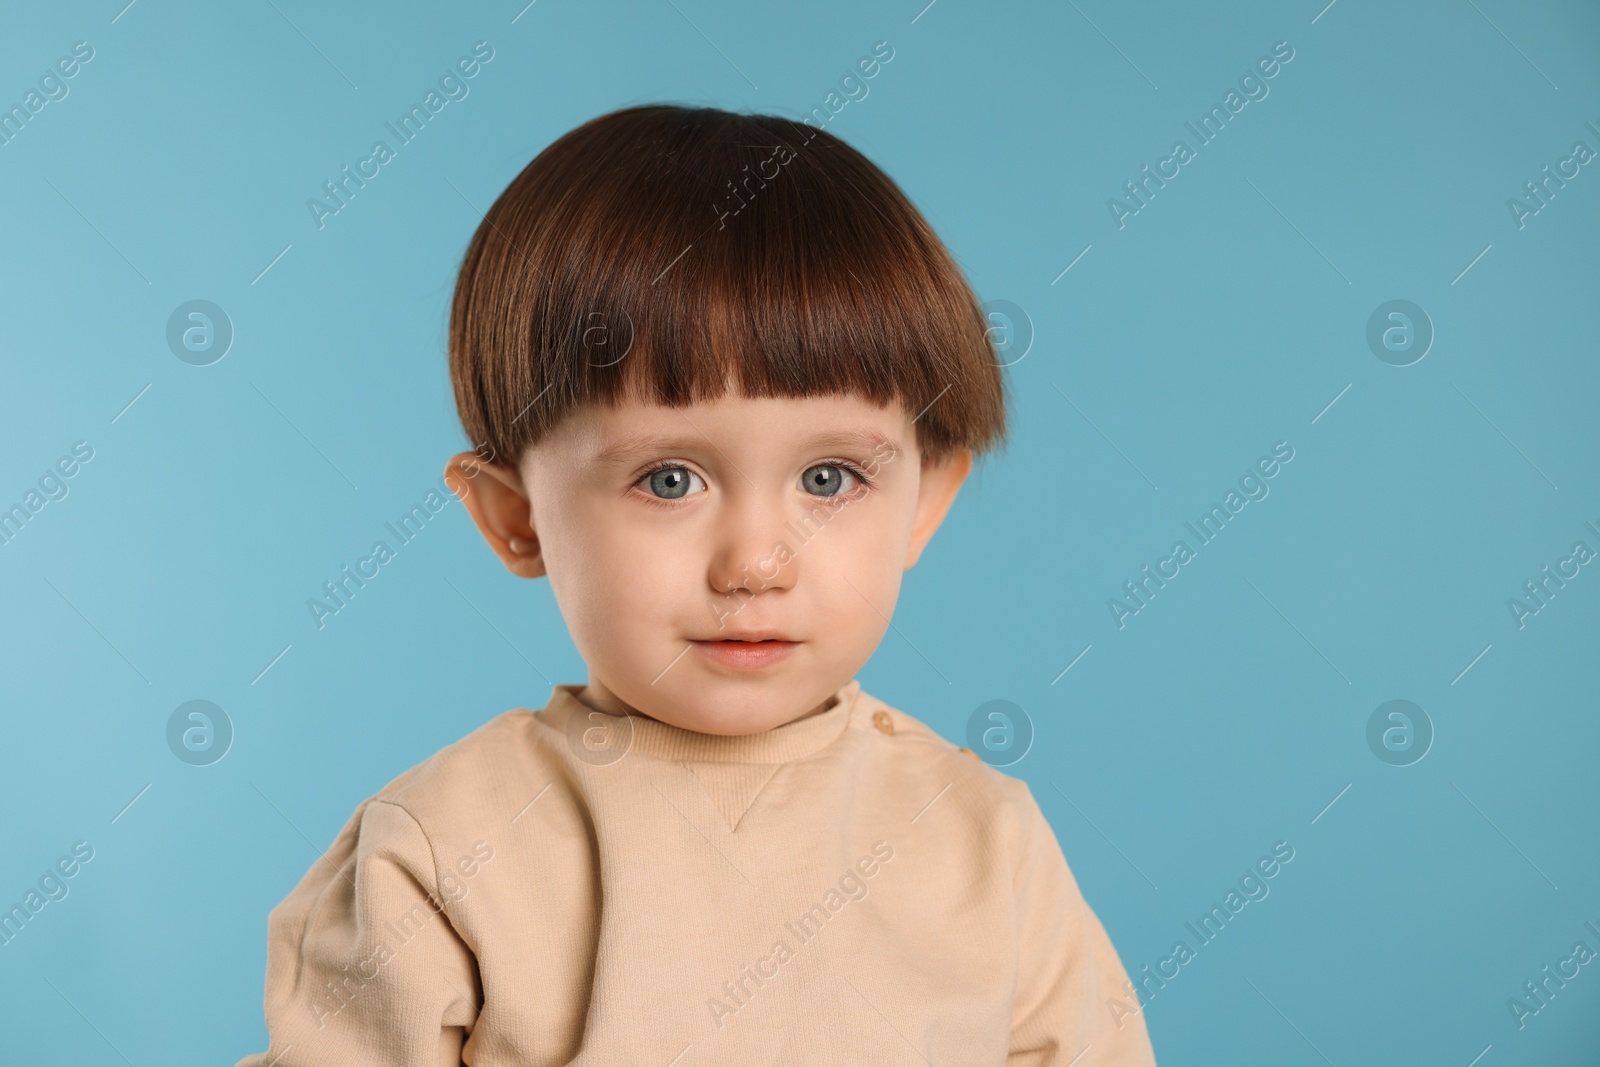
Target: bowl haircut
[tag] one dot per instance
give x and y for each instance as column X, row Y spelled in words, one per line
column 668, row 253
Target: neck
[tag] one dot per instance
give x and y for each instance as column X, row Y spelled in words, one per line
column 598, row 696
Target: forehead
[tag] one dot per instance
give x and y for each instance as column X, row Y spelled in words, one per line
column 622, row 432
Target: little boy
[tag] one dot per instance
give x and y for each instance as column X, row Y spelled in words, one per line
column 725, row 383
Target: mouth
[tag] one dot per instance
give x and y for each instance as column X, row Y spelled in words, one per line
column 751, row 654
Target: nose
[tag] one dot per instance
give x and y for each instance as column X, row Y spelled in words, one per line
column 753, row 551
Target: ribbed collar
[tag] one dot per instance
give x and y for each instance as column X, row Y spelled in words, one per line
column 791, row 741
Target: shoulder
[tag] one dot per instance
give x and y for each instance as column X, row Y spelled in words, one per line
column 476, row 782
column 426, row 820
column 903, row 731
column 919, row 760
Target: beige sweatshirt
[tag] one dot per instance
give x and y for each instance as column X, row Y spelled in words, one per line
column 571, row 887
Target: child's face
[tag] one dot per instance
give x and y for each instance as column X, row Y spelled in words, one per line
column 753, row 523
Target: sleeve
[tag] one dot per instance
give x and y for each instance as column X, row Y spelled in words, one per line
column 364, row 964
column 1072, row 1003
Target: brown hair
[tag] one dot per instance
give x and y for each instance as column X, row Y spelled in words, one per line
column 668, row 252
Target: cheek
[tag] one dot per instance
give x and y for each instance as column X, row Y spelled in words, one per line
column 867, row 546
column 616, row 578
column 872, row 546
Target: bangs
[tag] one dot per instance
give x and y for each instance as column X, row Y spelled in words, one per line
column 670, row 254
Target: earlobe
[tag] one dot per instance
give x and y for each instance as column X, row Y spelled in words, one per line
column 495, row 498
column 940, row 481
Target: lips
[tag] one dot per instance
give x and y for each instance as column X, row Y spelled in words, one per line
column 764, row 634
column 747, row 654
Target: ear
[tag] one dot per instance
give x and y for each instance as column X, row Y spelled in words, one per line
column 941, row 479
column 495, row 498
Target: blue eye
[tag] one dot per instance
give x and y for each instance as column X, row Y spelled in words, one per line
column 825, row 479
column 672, row 483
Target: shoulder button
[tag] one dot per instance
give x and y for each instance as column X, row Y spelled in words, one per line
column 883, row 721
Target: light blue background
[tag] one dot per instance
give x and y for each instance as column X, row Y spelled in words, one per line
column 1221, row 319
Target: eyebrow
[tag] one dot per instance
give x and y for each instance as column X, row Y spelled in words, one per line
column 636, row 447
